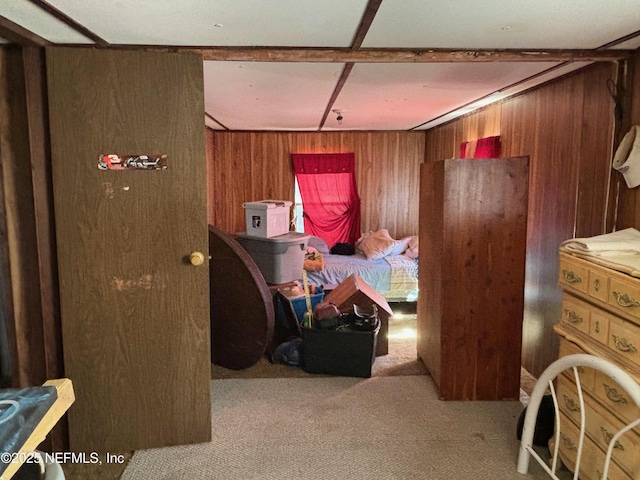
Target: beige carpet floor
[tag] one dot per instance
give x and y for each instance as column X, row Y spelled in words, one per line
column 326, row 428
column 401, row 361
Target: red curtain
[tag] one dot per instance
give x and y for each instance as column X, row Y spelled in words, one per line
column 329, row 195
column 488, row 147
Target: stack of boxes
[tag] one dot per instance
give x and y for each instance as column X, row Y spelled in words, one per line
column 278, row 252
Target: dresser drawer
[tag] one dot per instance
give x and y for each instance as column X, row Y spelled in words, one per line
column 576, row 313
column 587, row 375
column 600, row 426
column 615, row 398
column 599, row 326
column 592, row 459
column 624, row 339
column 624, row 296
column 573, row 273
column 619, row 335
column 598, row 283
column 613, row 290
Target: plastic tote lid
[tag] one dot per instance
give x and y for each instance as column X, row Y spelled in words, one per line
column 627, row 157
column 267, row 204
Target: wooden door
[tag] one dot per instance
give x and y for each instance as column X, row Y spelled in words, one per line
column 135, row 311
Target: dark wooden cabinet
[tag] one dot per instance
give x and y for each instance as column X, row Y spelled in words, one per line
column 473, row 229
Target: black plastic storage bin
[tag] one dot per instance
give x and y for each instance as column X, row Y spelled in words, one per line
column 347, row 353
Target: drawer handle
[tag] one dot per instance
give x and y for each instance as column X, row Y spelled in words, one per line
column 606, row 436
column 571, row 404
column 613, row 395
column 573, row 317
column 623, row 345
column 597, row 285
column 624, row 300
column 597, row 326
column 568, row 443
column 571, row 277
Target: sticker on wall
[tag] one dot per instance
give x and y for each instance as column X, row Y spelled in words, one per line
column 132, row 162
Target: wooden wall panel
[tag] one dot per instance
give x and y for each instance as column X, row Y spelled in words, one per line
column 553, row 146
column 565, row 128
column 443, row 142
column 249, row 166
column 480, row 126
column 21, row 283
column 628, row 214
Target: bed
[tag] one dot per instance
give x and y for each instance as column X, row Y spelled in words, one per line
column 390, row 268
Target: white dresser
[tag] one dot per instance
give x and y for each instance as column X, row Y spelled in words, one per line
column 600, row 316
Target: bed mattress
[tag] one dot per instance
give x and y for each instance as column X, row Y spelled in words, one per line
column 395, row 277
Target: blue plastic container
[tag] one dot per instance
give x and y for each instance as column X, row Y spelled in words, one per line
column 299, row 304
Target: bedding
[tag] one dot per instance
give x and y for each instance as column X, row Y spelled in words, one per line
column 394, row 276
column 379, row 244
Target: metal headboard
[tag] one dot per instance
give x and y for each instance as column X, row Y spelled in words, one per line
column 546, row 381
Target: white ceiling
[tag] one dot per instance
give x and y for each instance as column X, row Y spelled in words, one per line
column 301, row 95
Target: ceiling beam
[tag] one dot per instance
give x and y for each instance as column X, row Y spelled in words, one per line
column 401, row 55
column 53, row 11
column 363, row 28
column 20, row 35
column 336, row 91
column 365, row 23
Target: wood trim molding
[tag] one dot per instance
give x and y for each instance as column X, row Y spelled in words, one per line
column 346, row 71
column 403, row 55
column 365, row 24
column 54, row 12
column 20, row 35
column 381, row 55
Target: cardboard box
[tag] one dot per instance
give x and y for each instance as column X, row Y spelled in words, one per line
column 354, row 290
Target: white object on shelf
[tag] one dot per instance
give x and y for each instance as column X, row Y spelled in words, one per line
column 267, row 218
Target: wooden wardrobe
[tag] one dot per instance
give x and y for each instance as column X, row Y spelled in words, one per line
column 473, row 229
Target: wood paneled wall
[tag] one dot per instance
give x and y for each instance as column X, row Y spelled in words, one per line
column 249, row 166
column 28, row 262
column 629, row 206
column 565, row 127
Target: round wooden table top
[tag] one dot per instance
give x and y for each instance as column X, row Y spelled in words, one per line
column 242, row 313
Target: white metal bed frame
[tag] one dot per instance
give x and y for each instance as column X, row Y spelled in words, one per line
column 546, row 381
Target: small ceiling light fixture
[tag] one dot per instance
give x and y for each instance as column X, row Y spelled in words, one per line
column 339, row 117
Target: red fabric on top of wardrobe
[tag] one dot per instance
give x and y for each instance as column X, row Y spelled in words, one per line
column 488, row 147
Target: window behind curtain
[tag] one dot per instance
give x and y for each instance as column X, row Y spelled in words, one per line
column 298, row 207
column 329, row 195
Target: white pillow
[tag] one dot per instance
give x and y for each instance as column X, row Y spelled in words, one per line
column 399, row 246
